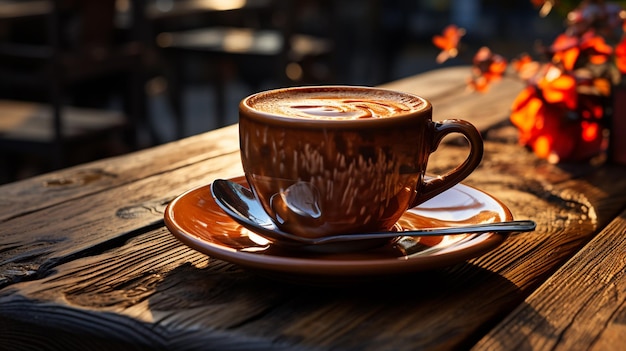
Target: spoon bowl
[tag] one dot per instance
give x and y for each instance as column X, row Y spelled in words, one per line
column 242, row 206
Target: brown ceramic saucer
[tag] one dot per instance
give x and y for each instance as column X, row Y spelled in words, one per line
column 197, row 221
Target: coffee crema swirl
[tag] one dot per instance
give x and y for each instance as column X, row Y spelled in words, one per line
column 347, row 104
column 344, row 108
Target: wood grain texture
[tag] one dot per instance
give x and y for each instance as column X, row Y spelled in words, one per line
column 86, row 263
column 581, row 307
column 162, row 294
column 125, row 295
column 78, row 226
column 53, row 188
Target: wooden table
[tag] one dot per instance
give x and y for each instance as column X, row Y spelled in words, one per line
column 87, row 263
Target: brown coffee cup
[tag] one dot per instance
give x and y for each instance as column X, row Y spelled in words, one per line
column 342, row 159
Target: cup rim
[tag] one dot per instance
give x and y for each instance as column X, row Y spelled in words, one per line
column 267, row 117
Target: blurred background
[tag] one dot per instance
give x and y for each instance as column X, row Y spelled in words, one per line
column 83, row 79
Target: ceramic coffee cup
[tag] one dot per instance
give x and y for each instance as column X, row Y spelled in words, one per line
column 343, row 159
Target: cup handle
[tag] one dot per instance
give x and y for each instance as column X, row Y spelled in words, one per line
column 437, row 185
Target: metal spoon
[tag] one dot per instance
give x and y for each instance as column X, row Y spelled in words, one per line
column 240, row 203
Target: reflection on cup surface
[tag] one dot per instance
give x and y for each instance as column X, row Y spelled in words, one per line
column 317, row 174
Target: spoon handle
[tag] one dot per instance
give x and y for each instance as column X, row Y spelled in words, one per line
column 499, row 227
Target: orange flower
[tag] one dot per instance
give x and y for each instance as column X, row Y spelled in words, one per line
column 526, row 67
column 558, row 87
column 597, row 49
column 448, row 42
column 527, row 113
column 545, row 128
column 478, row 83
column 496, row 69
column 566, row 51
column 554, row 141
column 488, row 67
column 542, row 126
column 521, row 63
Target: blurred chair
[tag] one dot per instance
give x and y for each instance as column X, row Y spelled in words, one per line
column 69, row 53
column 265, row 45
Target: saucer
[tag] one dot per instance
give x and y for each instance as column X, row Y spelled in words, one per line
column 197, row 221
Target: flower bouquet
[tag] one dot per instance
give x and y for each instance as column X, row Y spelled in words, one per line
column 564, row 111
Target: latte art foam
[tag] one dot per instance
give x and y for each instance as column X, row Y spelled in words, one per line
column 341, row 104
column 343, row 108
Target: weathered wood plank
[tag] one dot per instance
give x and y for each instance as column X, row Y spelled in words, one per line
column 108, row 269
column 128, row 296
column 90, row 222
column 130, row 206
column 155, row 286
column 50, row 189
column 582, row 306
column 179, row 297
